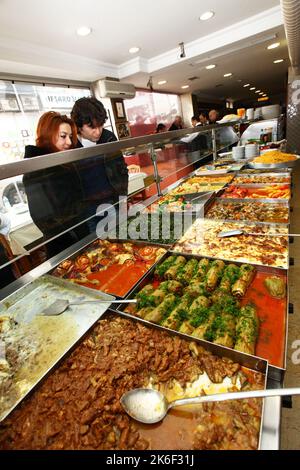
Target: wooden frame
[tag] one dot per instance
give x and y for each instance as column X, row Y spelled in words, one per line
column 119, row 110
column 123, row 130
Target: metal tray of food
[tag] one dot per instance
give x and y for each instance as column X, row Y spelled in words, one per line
column 120, row 354
column 188, row 203
column 263, row 178
column 271, row 166
column 268, row 204
column 202, row 238
column 215, row 170
column 33, row 343
column 255, row 188
column 93, row 266
column 271, row 342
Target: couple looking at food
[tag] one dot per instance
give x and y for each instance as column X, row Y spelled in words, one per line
column 64, row 195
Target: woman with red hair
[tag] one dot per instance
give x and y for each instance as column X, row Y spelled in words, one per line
column 55, row 195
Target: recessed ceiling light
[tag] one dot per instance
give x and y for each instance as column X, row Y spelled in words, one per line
column 252, row 88
column 228, row 75
column 162, row 82
column 262, row 93
column 207, row 15
column 185, row 86
column 265, row 94
column 278, row 61
column 274, row 45
column 211, row 66
column 258, row 91
column 84, row 31
column 134, row 50
column 247, row 84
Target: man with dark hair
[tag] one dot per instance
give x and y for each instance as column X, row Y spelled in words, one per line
column 203, row 118
column 104, row 178
column 195, row 142
column 195, row 121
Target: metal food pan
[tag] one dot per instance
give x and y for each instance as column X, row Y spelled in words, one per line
column 272, row 174
column 197, row 198
column 270, row 166
column 112, row 240
column 278, row 202
column 259, row 185
column 284, row 268
column 40, row 341
column 255, row 364
column 275, row 372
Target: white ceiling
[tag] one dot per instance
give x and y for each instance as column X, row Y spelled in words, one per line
column 37, row 37
column 155, row 26
column 249, row 64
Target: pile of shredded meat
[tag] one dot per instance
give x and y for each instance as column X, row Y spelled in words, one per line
column 78, row 405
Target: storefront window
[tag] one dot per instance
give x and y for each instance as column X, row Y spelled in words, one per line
column 148, row 109
column 21, row 105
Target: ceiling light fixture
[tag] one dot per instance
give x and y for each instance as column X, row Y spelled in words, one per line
column 207, row 15
column 278, row 61
column 262, row 93
column 210, row 67
column 228, row 75
column 185, row 86
column 83, row 31
column 258, row 91
column 274, row 45
column 162, row 82
column 253, row 88
column 247, row 84
column 134, row 50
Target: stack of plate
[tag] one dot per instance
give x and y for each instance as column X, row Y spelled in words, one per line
column 238, row 153
column 251, row 151
column 271, row 112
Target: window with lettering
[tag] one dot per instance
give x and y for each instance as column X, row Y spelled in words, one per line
column 21, row 105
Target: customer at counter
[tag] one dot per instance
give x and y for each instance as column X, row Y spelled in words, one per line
column 161, row 128
column 195, row 121
column 203, row 118
column 55, row 195
column 6, row 274
column 105, row 177
column 177, row 124
column 195, row 142
column 213, row 116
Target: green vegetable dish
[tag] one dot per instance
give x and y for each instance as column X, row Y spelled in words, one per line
column 201, row 298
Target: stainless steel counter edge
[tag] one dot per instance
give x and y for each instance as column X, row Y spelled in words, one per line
column 34, row 164
column 270, row 439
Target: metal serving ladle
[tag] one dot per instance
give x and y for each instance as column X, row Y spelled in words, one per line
column 151, row 406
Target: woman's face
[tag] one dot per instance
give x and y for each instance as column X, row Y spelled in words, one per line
column 64, row 137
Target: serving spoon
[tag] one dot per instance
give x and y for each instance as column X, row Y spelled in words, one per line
column 150, row 406
column 60, row 305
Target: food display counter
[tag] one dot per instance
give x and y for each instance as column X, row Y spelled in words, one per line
column 211, row 317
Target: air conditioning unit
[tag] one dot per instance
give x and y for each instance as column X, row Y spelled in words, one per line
column 113, row 89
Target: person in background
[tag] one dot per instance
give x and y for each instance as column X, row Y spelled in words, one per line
column 195, row 121
column 203, row 118
column 6, row 273
column 161, row 128
column 105, row 177
column 177, row 124
column 213, row 116
column 54, row 195
column 195, row 142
